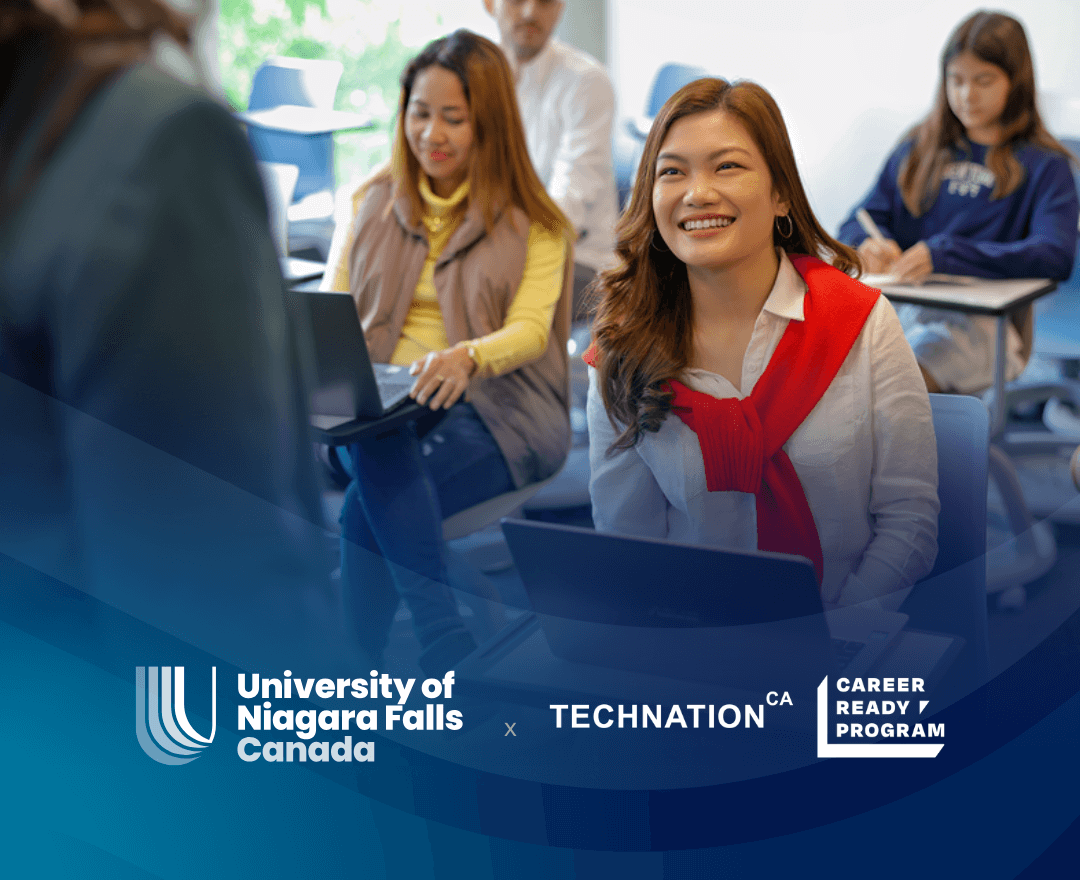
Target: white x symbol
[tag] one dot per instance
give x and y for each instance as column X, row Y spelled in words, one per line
column 510, row 728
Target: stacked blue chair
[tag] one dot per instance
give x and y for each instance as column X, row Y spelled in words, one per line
column 300, row 82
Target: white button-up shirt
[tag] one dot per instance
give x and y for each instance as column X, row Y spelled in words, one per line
column 568, row 109
column 866, row 456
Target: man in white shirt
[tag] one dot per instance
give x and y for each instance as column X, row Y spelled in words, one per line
column 568, row 109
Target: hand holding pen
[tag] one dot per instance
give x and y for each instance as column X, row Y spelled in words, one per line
column 882, row 255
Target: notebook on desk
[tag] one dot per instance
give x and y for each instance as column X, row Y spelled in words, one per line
column 347, row 385
column 739, row 619
column 886, row 279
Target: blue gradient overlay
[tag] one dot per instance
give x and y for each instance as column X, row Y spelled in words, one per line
column 83, row 800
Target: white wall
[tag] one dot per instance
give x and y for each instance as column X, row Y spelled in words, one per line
column 849, row 75
column 584, row 24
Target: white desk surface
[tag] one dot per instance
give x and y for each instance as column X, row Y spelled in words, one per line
column 295, row 269
column 306, row 120
column 981, row 296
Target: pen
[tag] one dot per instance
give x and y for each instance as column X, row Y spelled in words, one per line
column 868, row 225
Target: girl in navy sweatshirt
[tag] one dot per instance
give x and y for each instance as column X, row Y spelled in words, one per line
column 979, row 187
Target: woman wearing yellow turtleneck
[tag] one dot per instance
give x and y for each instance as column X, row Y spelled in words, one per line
column 525, row 332
column 459, row 263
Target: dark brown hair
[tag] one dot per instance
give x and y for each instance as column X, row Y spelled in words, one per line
column 500, row 171
column 81, row 45
column 642, row 328
column 999, row 40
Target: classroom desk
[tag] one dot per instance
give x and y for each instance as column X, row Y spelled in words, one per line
column 999, row 298
column 332, row 431
column 306, row 120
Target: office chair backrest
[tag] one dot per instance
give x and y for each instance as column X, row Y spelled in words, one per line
column 626, row 152
column 303, row 82
column 952, row 598
column 669, row 79
column 1073, row 146
column 306, row 83
column 1057, row 316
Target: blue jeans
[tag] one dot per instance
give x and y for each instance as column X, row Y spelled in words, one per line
column 405, row 482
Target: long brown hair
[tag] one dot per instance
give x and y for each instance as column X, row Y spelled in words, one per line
column 643, row 320
column 500, row 171
column 80, row 45
column 1000, row 40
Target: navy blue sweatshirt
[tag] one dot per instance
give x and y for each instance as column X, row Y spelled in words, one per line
column 1030, row 233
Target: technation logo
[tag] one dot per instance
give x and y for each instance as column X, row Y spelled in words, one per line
column 161, row 723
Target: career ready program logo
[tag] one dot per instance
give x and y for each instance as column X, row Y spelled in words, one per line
column 875, row 718
column 161, row 722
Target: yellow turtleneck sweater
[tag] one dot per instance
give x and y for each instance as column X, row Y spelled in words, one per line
column 523, row 335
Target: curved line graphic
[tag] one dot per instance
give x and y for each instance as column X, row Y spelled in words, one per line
column 181, row 714
column 159, row 735
column 168, row 698
column 141, row 732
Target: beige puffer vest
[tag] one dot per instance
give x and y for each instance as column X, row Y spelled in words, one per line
column 476, row 277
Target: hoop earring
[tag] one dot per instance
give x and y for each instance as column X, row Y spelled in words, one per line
column 790, row 227
column 652, row 243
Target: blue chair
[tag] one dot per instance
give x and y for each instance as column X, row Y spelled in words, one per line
column 304, row 83
column 301, row 82
column 1031, row 467
column 1057, row 338
column 627, row 152
column 952, row 598
column 1057, row 320
column 669, row 79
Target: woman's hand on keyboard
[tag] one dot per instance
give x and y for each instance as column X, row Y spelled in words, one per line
column 441, row 377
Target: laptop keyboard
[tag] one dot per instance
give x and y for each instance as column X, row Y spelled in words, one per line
column 394, row 384
column 845, row 652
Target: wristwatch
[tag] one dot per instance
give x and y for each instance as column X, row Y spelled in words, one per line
column 470, row 350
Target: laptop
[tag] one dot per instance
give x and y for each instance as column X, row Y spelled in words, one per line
column 347, row 385
column 747, row 620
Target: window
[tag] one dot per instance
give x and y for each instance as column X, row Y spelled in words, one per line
column 373, row 39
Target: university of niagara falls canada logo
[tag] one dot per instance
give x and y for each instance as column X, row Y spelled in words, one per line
column 161, row 721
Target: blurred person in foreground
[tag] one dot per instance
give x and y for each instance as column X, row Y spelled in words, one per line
column 154, row 452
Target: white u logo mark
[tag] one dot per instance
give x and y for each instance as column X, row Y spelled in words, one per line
column 161, row 723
